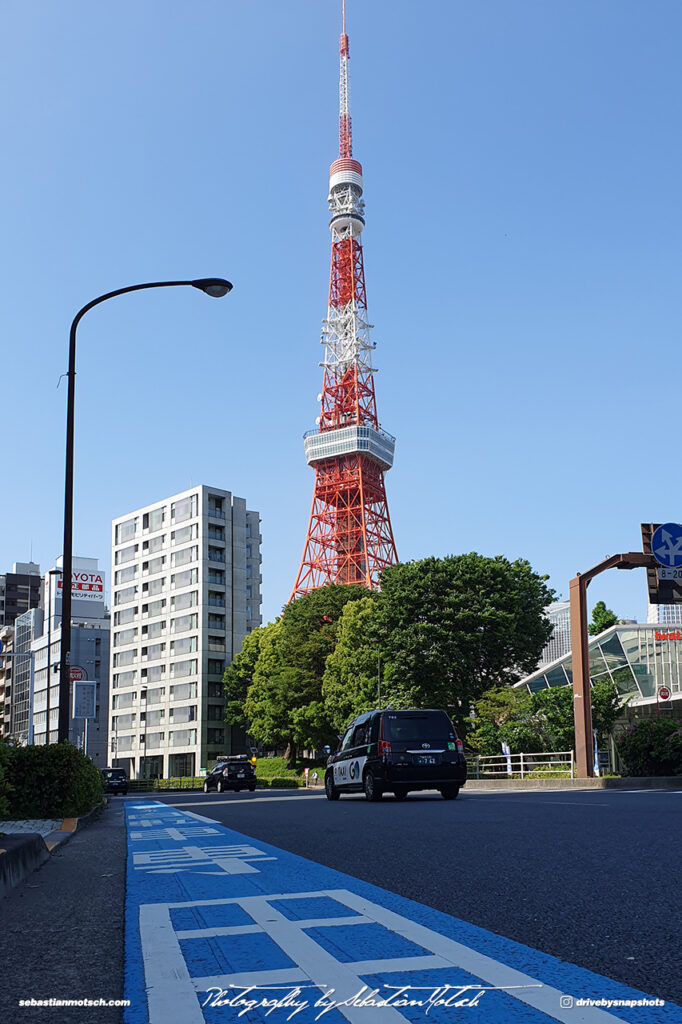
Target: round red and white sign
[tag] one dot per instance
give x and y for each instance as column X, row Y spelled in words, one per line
column 664, row 693
column 76, row 674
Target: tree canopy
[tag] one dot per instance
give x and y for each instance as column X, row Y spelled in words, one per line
column 451, row 628
column 602, row 618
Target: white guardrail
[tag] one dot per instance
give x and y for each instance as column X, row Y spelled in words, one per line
column 521, row 765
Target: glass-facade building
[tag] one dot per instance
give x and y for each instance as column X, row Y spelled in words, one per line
column 637, row 658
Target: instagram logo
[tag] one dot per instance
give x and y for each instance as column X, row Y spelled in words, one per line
column 566, row 1002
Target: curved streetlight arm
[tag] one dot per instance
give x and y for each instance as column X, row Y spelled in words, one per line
column 213, row 286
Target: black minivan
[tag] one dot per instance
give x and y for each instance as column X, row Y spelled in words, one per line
column 397, row 751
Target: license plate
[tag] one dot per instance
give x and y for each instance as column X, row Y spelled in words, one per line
column 240, row 775
column 426, row 760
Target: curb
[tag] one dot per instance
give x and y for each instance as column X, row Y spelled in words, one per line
column 531, row 785
column 19, row 856
column 22, row 854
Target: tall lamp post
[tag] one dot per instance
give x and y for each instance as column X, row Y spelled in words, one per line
column 214, row 286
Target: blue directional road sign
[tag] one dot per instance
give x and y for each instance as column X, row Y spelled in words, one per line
column 666, row 545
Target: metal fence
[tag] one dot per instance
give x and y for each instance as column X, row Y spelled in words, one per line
column 521, row 766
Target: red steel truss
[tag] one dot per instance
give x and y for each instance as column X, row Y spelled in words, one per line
column 349, row 539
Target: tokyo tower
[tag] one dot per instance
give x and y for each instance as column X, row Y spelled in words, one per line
column 349, row 539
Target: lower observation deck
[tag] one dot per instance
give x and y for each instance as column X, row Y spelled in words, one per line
column 374, row 444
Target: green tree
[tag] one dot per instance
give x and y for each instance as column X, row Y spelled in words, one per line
column 284, row 705
column 538, row 722
column 239, row 675
column 452, row 628
column 602, row 618
column 350, row 681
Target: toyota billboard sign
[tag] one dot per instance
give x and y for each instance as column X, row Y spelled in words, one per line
column 85, row 586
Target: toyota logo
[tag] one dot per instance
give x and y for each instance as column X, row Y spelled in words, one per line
column 426, row 746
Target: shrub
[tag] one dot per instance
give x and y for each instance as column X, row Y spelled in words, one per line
column 651, row 746
column 5, row 787
column 55, row 781
column 284, row 783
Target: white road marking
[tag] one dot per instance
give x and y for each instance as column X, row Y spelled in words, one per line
column 167, row 976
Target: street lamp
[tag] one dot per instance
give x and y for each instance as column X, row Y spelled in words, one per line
column 213, row 286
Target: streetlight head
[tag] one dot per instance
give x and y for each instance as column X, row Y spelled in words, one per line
column 214, row 286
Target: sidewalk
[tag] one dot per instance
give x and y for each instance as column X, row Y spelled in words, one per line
column 62, row 928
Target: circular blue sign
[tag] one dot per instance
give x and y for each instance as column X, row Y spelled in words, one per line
column 666, row 545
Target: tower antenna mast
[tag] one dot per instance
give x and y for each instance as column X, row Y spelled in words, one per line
column 350, row 538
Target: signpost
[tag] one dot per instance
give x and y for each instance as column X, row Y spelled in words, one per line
column 84, row 700
column 664, row 693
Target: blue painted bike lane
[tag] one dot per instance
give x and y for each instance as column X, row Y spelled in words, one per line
column 221, row 927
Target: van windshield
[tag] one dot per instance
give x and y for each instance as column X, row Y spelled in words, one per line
column 419, row 727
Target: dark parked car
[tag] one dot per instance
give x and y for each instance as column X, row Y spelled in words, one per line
column 397, row 751
column 235, row 773
column 115, row 780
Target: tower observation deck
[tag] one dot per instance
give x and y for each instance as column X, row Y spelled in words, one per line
column 349, row 539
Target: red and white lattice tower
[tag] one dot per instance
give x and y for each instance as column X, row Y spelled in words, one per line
column 350, row 539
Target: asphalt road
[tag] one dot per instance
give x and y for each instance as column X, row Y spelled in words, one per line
column 590, row 877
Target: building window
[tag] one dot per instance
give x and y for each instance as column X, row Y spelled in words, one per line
column 153, row 673
column 183, row 557
column 184, row 579
column 216, row 643
column 153, row 739
column 125, row 596
column 153, row 652
column 180, row 669
column 124, row 679
column 153, row 566
column 154, row 696
column 125, row 554
column 186, row 533
column 155, row 544
column 125, row 575
column 127, row 615
column 188, row 600
column 215, row 554
column 187, row 645
column 215, row 713
column 153, row 630
column 153, row 608
column 184, row 622
column 124, row 658
column 216, row 576
column 184, row 509
column 154, row 587
column 183, row 691
column 124, row 531
column 216, row 666
column 216, row 690
column 216, row 621
column 216, row 737
column 153, row 521
column 181, row 715
column 125, row 637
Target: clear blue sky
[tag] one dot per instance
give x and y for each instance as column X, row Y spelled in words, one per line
column 522, row 252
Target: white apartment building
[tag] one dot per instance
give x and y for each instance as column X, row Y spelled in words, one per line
column 185, row 592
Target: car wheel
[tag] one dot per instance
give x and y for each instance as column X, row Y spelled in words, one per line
column 206, row 787
column 400, row 794
column 449, row 792
column 237, row 789
column 330, row 789
column 372, row 790
column 219, row 785
column 252, row 789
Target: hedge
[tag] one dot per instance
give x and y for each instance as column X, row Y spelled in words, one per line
column 55, row 781
column 651, row 746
